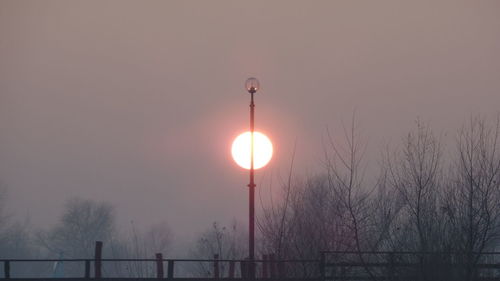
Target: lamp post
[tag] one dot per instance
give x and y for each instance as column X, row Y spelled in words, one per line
column 252, row 85
column 251, row 150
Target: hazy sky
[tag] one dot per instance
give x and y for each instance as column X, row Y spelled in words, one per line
column 136, row 103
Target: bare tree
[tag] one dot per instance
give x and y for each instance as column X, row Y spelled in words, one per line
column 420, row 202
column 16, row 240
column 82, row 223
column 415, row 174
column 324, row 212
column 474, row 191
column 141, row 245
column 416, row 179
column 226, row 242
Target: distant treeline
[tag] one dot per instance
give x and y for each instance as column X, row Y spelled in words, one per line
column 425, row 199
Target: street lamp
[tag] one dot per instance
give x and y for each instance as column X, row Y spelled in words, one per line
column 252, row 150
column 252, row 85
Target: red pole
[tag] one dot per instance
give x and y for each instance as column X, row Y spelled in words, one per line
column 251, row 185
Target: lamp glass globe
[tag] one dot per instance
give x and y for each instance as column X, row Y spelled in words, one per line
column 252, row 85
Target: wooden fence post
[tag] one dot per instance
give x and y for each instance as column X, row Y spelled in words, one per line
column 97, row 258
column 281, row 269
column 159, row 266
column 6, row 269
column 231, row 269
column 322, row 266
column 244, row 269
column 391, row 266
column 272, row 266
column 216, row 266
column 264, row 266
column 342, row 272
column 87, row 269
column 170, row 273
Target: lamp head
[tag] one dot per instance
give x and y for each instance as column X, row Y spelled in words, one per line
column 252, row 85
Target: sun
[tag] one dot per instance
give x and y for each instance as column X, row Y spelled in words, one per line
column 263, row 150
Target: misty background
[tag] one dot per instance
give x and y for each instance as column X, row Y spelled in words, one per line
column 137, row 103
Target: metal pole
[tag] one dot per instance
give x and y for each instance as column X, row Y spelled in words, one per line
column 6, row 269
column 159, row 266
column 251, row 185
column 97, row 260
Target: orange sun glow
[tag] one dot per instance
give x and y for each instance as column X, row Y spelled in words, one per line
column 263, row 150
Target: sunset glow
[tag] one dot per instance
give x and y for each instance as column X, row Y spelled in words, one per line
column 263, row 150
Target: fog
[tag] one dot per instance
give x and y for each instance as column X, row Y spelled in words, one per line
column 136, row 103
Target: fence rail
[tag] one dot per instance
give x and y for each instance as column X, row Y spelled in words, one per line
column 331, row 265
column 400, row 265
column 219, row 268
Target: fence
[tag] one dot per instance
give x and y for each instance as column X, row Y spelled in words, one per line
column 433, row 266
column 172, row 269
column 333, row 265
